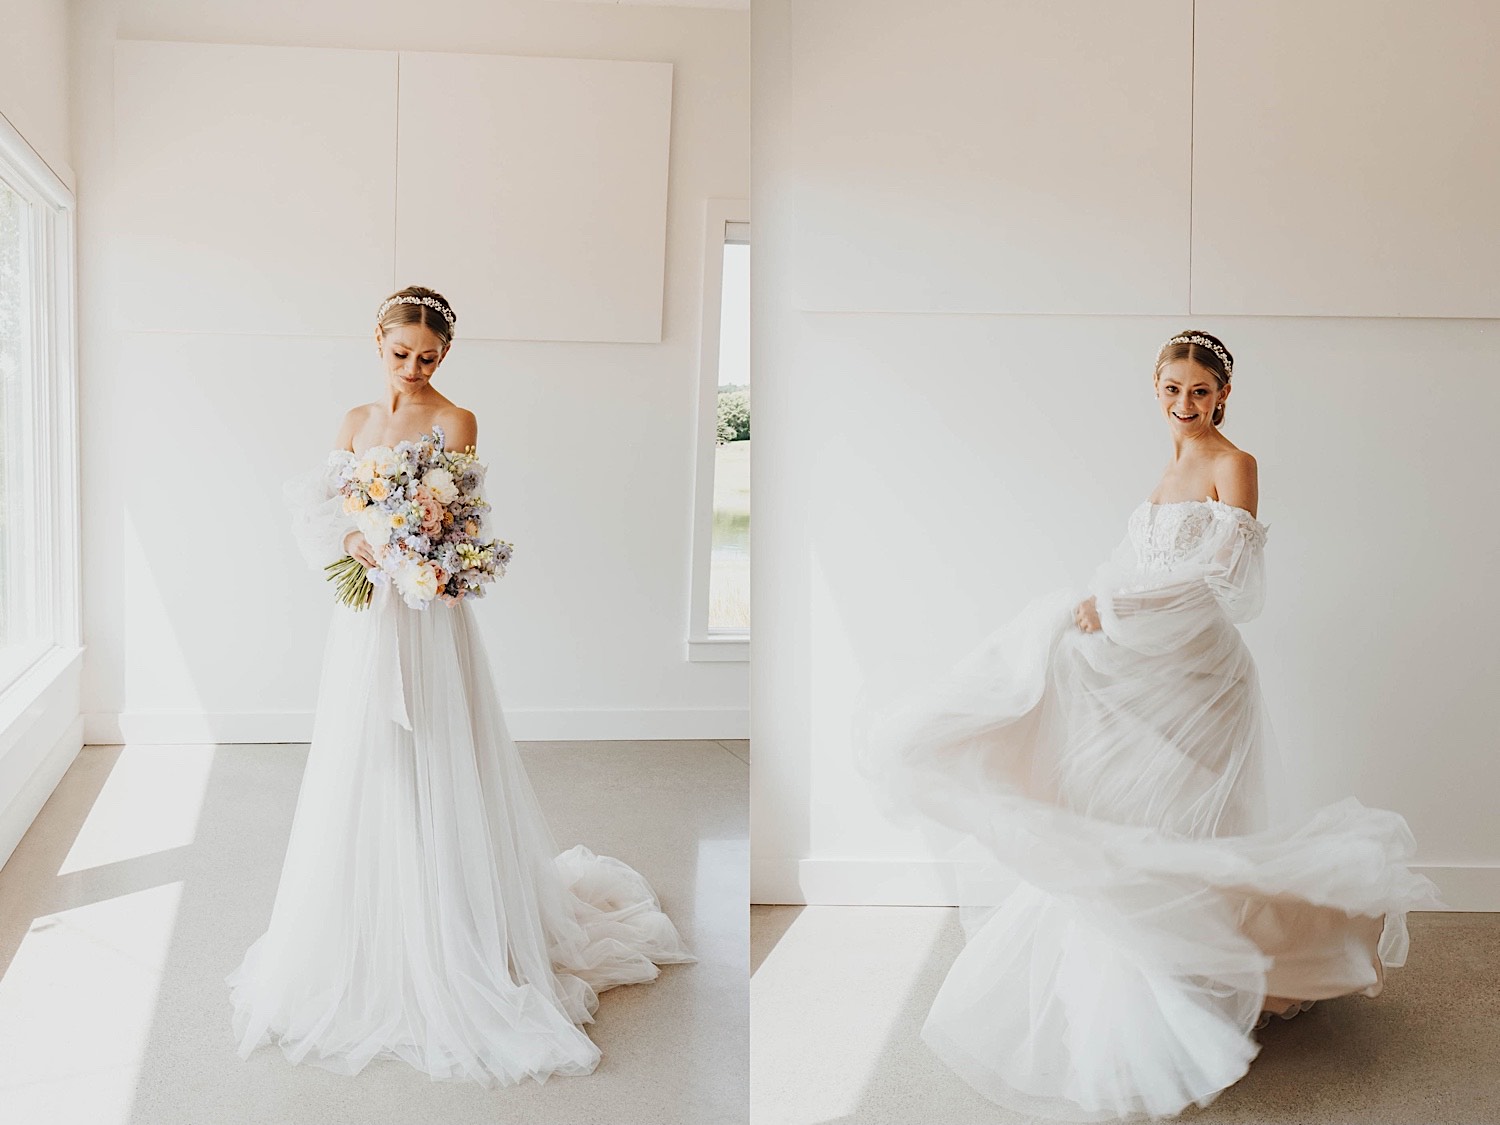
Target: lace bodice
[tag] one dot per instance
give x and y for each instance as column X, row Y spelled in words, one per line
column 1172, row 556
column 1166, row 535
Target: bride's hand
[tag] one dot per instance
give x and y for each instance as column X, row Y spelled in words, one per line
column 358, row 546
column 1086, row 616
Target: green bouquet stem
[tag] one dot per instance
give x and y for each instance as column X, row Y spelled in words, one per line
column 354, row 588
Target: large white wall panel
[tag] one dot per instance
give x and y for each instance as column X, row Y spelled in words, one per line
column 1345, row 161
column 1009, row 157
column 533, row 193
column 255, row 187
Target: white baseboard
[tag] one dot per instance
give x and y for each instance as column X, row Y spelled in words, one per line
column 861, row 882
column 106, row 728
column 1468, row 888
column 181, row 727
column 18, row 815
column 892, row 882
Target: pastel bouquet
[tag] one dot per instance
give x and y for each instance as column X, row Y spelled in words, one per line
column 420, row 508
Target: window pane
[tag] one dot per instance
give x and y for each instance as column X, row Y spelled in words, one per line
column 729, row 571
column 18, row 593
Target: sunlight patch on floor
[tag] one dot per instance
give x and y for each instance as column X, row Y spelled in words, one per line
column 150, row 803
column 76, row 1008
column 828, row 981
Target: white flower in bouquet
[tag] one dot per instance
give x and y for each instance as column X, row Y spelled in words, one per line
column 385, row 459
column 440, row 483
column 416, row 581
column 375, row 522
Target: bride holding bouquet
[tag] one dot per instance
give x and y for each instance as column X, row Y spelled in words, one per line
column 424, row 912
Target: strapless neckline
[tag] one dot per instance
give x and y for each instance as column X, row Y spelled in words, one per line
column 1206, row 502
column 436, row 431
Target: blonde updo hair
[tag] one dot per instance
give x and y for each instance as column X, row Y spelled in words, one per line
column 1204, row 356
column 402, row 312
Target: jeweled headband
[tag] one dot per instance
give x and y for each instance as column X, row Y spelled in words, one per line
column 431, row 301
column 1204, row 341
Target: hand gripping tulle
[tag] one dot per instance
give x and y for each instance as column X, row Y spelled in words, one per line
column 1193, row 568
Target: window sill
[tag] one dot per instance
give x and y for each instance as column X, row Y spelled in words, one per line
column 17, row 661
column 19, row 700
column 731, row 648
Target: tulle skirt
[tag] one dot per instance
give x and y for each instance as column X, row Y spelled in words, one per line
column 424, row 912
column 1135, row 887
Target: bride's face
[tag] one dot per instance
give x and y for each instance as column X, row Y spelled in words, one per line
column 411, row 353
column 1189, row 394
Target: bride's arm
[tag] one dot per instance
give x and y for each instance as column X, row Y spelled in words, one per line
column 1159, row 613
column 319, row 523
column 354, row 543
column 460, row 431
column 1236, row 571
column 347, row 429
column 1237, row 481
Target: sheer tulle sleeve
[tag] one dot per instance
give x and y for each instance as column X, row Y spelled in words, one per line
column 319, row 522
column 1159, row 611
column 1237, row 573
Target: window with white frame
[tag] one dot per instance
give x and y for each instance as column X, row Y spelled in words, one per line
column 38, row 506
column 720, row 623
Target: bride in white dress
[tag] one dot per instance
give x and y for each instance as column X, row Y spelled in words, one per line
column 424, row 912
column 1138, row 890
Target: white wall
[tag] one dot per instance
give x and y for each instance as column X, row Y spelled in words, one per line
column 931, row 456
column 591, row 446
column 34, row 77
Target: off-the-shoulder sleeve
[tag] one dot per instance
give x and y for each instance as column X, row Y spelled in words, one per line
column 319, row 522
column 1237, row 569
column 1158, row 612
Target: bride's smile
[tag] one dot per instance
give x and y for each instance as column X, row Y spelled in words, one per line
column 1189, row 396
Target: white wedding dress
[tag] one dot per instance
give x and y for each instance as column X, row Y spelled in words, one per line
column 423, row 911
column 1136, row 885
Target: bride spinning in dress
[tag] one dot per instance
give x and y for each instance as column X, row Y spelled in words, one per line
column 423, row 911
column 1138, row 893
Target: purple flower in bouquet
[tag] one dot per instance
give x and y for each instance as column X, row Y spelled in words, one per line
column 422, row 510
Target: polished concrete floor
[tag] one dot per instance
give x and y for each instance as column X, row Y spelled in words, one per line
column 838, row 996
column 152, row 868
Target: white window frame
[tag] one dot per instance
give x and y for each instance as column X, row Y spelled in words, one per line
column 704, row 643
column 53, row 362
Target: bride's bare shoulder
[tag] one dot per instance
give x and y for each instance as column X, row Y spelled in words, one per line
column 354, row 420
column 1235, row 462
column 1237, row 479
column 460, row 427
